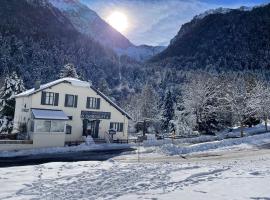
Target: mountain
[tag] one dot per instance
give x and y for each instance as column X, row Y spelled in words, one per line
column 37, row 40
column 88, row 22
column 221, row 40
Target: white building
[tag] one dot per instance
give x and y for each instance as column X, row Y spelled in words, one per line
column 65, row 110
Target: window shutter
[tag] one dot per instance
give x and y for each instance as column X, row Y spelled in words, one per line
column 121, row 127
column 43, row 96
column 87, row 102
column 76, row 101
column 66, row 100
column 98, row 103
column 111, row 125
column 56, row 98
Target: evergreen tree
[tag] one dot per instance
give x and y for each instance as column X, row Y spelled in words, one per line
column 69, row 70
column 12, row 85
column 167, row 110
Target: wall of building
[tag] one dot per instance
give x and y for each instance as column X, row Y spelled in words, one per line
column 48, row 140
column 34, row 101
column 12, row 147
column 22, row 112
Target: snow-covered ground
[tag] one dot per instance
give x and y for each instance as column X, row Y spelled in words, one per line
column 242, row 175
column 236, row 168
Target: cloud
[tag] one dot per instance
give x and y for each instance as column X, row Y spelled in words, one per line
column 156, row 22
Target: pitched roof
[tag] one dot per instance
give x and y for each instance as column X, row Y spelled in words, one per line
column 75, row 82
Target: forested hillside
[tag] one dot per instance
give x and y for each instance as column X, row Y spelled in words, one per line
column 36, row 40
column 233, row 40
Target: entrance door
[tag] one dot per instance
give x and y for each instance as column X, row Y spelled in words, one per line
column 93, row 128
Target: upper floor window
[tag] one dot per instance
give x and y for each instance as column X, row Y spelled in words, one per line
column 71, row 100
column 93, row 103
column 117, row 126
column 49, row 98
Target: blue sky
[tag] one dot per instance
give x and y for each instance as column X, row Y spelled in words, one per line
column 156, row 22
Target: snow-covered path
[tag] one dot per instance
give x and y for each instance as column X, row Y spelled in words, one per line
column 234, row 175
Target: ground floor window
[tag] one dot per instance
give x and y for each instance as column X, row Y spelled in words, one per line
column 117, row 126
column 68, row 129
column 49, row 126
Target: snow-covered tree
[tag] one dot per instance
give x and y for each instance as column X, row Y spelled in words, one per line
column 133, row 106
column 167, row 112
column 12, row 86
column 149, row 102
column 200, row 102
column 238, row 97
column 69, row 70
column 260, row 101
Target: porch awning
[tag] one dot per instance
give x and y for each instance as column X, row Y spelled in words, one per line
column 49, row 114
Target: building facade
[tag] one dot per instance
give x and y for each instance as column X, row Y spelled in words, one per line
column 65, row 110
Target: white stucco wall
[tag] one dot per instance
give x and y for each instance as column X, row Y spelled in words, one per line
column 11, row 147
column 22, row 112
column 34, row 101
column 48, row 140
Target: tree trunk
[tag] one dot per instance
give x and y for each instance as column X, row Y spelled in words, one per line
column 265, row 123
column 242, row 130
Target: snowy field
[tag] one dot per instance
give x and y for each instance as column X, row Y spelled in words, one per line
column 232, row 173
column 206, row 167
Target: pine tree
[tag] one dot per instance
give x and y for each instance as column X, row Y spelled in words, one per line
column 167, row 110
column 69, row 70
column 12, row 86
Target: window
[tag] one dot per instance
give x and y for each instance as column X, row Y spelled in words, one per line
column 68, row 129
column 49, row 98
column 49, row 126
column 43, row 126
column 93, row 103
column 117, row 126
column 32, row 129
column 71, row 100
column 57, row 126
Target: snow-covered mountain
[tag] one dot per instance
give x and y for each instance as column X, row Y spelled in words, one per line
column 88, row 22
column 222, row 10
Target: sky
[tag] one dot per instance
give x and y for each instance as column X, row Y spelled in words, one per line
column 156, row 22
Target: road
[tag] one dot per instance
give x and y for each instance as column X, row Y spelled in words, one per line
column 97, row 155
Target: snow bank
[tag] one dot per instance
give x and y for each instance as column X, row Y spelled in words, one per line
column 172, row 149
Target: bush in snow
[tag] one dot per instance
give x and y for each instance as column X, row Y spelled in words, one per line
column 6, row 125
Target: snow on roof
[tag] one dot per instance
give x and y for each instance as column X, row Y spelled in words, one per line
column 111, row 102
column 49, row 114
column 75, row 82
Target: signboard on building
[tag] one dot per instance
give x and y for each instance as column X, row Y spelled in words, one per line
column 95, row 115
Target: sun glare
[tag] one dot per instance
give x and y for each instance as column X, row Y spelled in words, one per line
column 118, row 21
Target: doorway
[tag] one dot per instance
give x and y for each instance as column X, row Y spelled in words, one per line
column 91, row 127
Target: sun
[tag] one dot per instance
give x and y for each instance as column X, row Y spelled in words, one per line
column 118, row 20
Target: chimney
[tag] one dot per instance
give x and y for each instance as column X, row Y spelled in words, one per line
column 37, row 85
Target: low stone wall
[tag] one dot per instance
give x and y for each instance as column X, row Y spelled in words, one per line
column 7, row 145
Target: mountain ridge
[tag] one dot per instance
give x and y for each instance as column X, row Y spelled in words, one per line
column 237, row 39
column 90, row 23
